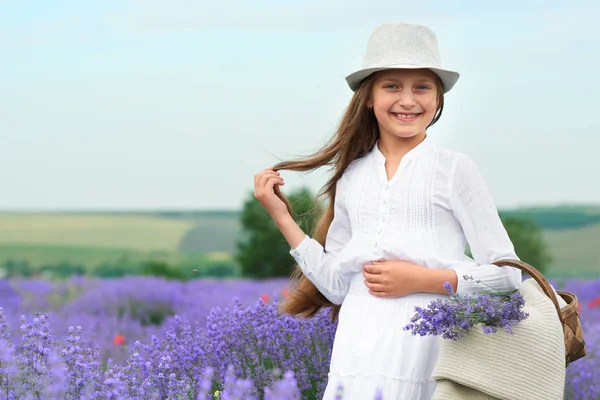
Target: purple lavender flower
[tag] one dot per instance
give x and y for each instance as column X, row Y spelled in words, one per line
column 453, row 318
column 188, row 354
column 33, row 359
column 206, row 385
column 8, row 365
column 81, row 365
column 339, row 392
column 378, row 394
column 284, row 389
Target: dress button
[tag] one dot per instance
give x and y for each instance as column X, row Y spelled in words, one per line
column 376, row 244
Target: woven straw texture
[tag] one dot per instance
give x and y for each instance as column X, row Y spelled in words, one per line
column 530, row 364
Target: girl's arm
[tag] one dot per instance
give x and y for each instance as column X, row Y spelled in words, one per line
column 474, row 208
column 319, row 264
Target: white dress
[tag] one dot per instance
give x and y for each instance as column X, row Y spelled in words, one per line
column 436, row 201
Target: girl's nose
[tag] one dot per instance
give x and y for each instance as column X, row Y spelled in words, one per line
column 406, row 100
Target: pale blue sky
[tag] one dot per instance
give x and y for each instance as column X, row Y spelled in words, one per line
column 176, row 104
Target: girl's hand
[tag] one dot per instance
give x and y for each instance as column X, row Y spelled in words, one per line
column 264, row 191
column 393, row 278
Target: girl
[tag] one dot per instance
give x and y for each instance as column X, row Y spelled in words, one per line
column 401, row 210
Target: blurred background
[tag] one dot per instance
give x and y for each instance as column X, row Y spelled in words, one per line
column 130, row 131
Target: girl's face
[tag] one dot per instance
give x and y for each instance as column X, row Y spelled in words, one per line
column 404, row 101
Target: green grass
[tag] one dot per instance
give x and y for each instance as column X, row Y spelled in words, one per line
column 39, row 254
column 559, row 217
column 182, row 237
column 590, row 209
column 135, row 232
column 576, row 252
column 91, row 239
column 208, row 236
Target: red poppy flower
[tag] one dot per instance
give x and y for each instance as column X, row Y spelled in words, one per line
column 119, row 340
column 265, row 298
column 285, row 292
column 594, row 303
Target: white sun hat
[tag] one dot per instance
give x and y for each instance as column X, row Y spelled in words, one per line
column 405, row 46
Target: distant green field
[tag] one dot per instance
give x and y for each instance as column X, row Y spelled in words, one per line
column 136, row 232
column 576, row 252
column 559, row 217
column 211, row 234
column 38, row 254
column 181, row 237
column 93, row 238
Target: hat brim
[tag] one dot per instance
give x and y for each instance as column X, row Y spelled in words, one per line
column 448, row 78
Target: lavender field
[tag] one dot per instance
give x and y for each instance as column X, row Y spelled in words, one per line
column 146, row 338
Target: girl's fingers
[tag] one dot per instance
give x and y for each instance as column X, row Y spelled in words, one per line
column 379, row 293
column 373, row 278
column 372, row 269
column 268, row 171
column 374, row 286
column 272, row 182
column 264, row 178
column 271, row 175
column 262, row 174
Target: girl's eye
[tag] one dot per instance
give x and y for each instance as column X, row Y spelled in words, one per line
column 390, row 86
column 422, row 87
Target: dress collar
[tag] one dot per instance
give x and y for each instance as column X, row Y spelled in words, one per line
column 422, row 148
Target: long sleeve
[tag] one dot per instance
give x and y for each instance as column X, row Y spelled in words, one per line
column 474, row 208
column 319, row 264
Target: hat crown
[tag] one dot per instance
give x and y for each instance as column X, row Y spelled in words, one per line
column 402, row 44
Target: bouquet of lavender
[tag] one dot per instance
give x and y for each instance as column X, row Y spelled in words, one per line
column 452, row 318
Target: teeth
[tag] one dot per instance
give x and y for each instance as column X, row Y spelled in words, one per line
column 405, row 116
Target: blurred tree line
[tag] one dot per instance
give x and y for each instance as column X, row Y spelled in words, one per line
column 559, row 218
column 263, row 252
column 201, row 267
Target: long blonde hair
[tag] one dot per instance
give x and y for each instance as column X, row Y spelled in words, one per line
column 355, row 137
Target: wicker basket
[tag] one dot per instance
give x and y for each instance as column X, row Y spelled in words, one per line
column 568, row 315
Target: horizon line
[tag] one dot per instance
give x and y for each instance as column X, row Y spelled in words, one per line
column 100, row 210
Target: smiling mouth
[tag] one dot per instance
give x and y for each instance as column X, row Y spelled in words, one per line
column 407, row 116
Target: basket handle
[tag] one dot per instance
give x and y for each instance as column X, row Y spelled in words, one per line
column 537, row 275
